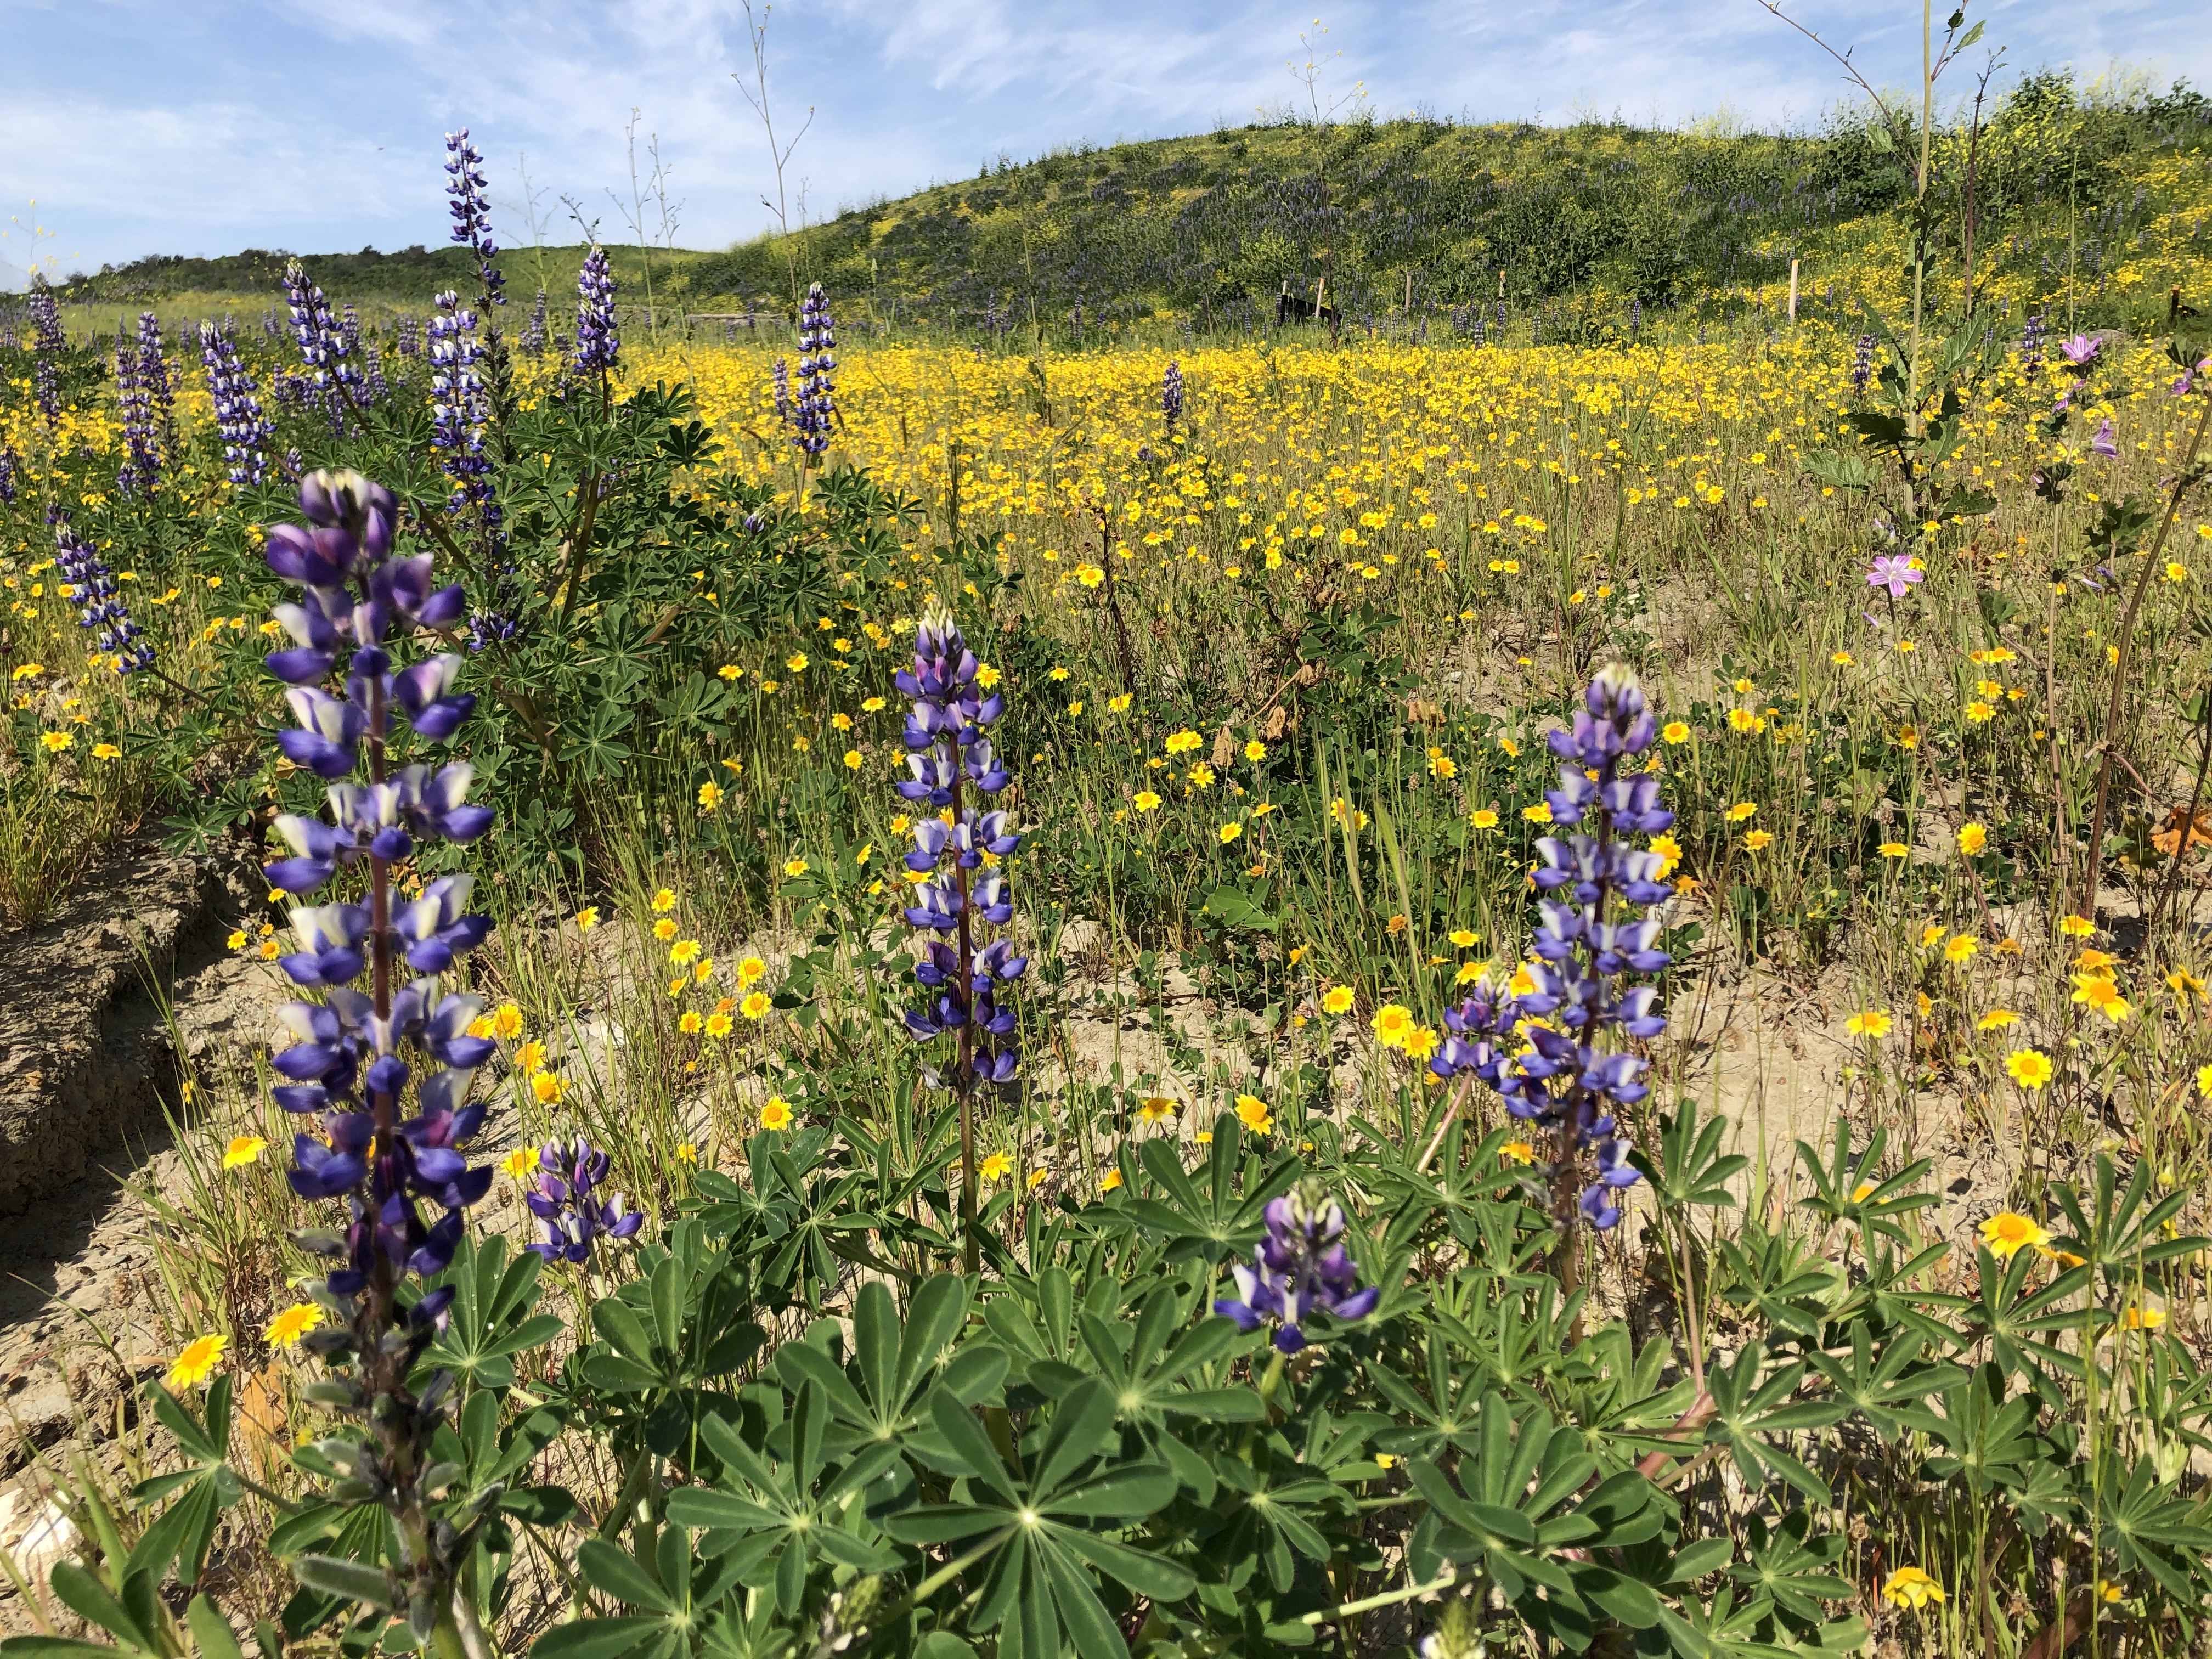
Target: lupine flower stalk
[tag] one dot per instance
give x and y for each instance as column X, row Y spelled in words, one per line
column 533, row 331
column 238, row 418
column 779, row 382
column 48, row 343
column 360, row 1056
column 958, row 848
column 459, row 408
column 142, row 456
column 598, row 342
column 153, row 377
column 818, row 367
column 322, row 344
column 99, row 601
column 1861, row 364
column 1171, row 396
column 467, row 199
column 7, row 476
column 1567, row 1082
column 1300, row 1268
column 567, row 1200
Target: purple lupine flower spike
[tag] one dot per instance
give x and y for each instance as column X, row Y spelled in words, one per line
column 141, row 466
column 237, row 417
column 153, row 378
column 466, row 191
column 1300, row 1268
column 48, row 343
column 567, row 1200
column 816, row 404
column 1559, row 1079
column 355, row 1056
column 596, row 341
column 98, row 600
column 1171, row 396
column 460, row 408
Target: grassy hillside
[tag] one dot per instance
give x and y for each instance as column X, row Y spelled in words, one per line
column 1564, row 225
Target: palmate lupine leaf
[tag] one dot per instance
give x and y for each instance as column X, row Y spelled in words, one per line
column 2149, row 1526
column 200, row 1491
column 1524, row 1501
column 2014, row 1317
column 1689, row 1168
column 1851, row 1189
column 490, row 1320
column 777, row 1521
column 881, row 1395
column 1889, row 1389
column 1753, row 1407
column 1047, row 1530
column 1200, row 1213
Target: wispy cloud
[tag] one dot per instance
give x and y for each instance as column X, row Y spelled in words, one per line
column 145, row 126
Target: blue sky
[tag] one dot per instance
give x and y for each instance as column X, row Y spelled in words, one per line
column 203, row 126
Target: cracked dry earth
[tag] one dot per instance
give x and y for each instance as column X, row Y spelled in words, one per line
column 109, row 1005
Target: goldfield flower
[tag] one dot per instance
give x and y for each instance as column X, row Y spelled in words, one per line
column 1873, row 1023
column 776, row 1113
column 286, row 1329
column 2008, row 1232
column 242, row 1150
column 1254, row 1114
column 1909, row 1587
column 2030, row 1068
column 197, row 1362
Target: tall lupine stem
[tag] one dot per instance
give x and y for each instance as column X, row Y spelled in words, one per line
column 817, row 366
column 1562, row 1082
column 322, row 345
column 354, row 598
column 98, row 600
column 48, row 343
column 946, row 732
column 598, row 347
column 153, row 378
column 141, row 466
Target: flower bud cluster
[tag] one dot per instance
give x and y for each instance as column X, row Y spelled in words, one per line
column 466, row 198
column 237, row 417
column 957, row 850
column 1543, row 1045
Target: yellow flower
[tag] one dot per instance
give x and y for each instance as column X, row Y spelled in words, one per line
column 1874, row 1023
column 2185, row 984
column 2140, row 1318
column 1841, row 658
column 1110, row 1181
column 719, row 1025
column 664, row 901
column 691, row 1022
column 1230, row 831
column 1893, row 849
column 507, row 1021
column 1255, row 750
column 1518, row 1151
column 1972, row 838
column 853, row 760
column 776, row 1115
column 2103, row 996
column 1540, row 813
column 1930, row 934
column 1909, row 1587
column 2076, row 927
column 2204, row 1082
column 58, row 741
column 1465, row 938
column 687, row 1153
column 1741, row 810
column 531, row 1057
column 750, row 971
column 2030, row 1068
column 997, row 1167
column 796, row 662
column 1676, row 731
column 1442, row 766
column 1182, row 742
column 237, row 939
column 1420, row 1042
column 1758, row 842
column 1155, row 1108
column 2008, row 1232
column 710, row 796
column 986, row 676
column 197, row 1362
column 1392, row 1024
column 106, row 751
column 1147, row 801
column 664, row 930
column 243, row 1150
column 289, row 1326
column 1037, row 1177
column 1484, row 818
column 683, row 952
column 587, row 918
column 756, row 1006
column 520, row 1163
column 1252, row 1112
column 794, row 868
column 1961, row 946
column 547, row 1087
column 1337, row 1000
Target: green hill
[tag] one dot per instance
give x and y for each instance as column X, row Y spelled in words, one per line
column 1212, row 228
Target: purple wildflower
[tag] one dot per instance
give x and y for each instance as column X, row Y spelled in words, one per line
column 460, row 408
column 1861, row 364
column 779, row 382
column 1895, row 572
column 566, row 1200
column 533, row 331
column 471, row 207
column 2082, row 350
column 1563, row 1082
column 596, row 341
column 1300, row 1268
column 99, row 601
column 2101, row 440
column 322, row 342
column 818, row 364
column 142, row 456
column 48, row 343
column 154, row 376
column 1171, row 396
column 238, row 418
column 7, row 476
